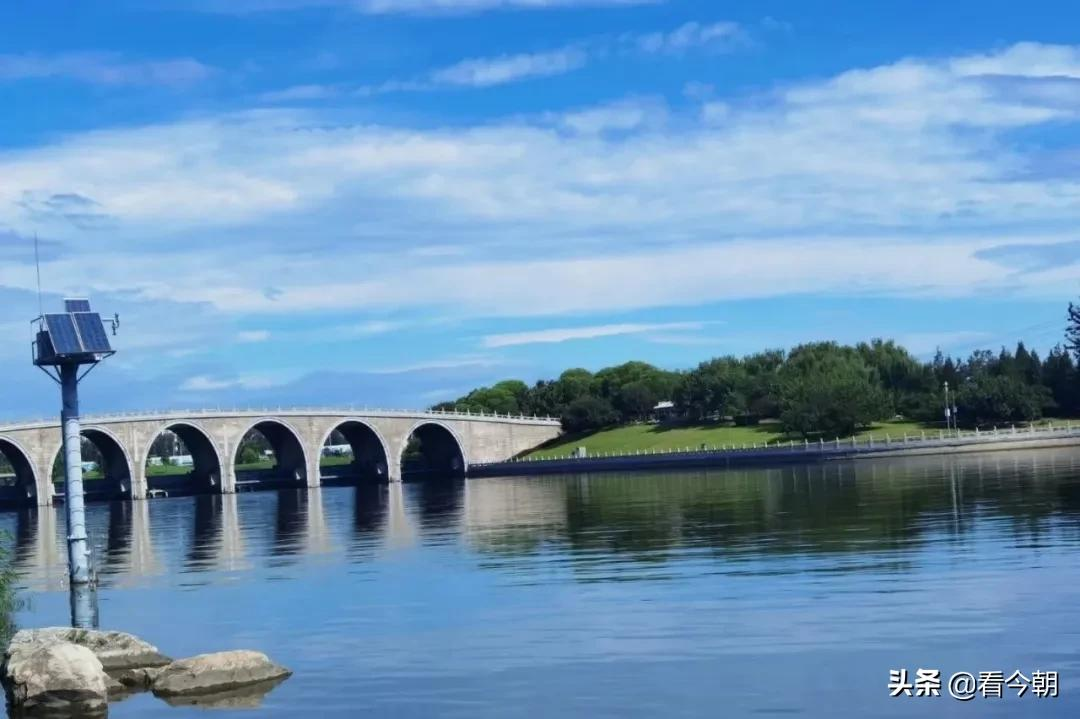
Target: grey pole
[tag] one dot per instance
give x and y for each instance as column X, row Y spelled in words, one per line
column 74, row 507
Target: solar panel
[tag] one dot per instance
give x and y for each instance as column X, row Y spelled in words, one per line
column 76, row 305
column 65, row 340
column 92, row 331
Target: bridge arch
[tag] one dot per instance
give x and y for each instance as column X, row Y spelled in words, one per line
column 290, row 459
column 23, row 487
column 433, row 448
column 115, row 466
column 206, row 470
column 370, row 453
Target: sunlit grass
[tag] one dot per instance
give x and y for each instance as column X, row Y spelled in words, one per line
column 649, row 437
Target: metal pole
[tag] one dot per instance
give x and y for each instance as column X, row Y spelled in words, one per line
column 74, row 507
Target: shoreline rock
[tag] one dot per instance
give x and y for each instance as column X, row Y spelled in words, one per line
column 76, row 672
column 58, row 677
column 116, row 651
column 216, row 673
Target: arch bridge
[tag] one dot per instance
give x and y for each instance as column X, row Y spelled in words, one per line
column 298, row 447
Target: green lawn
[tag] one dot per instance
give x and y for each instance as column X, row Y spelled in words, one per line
column 335, row 460
column 636, row 437
column 166, row 470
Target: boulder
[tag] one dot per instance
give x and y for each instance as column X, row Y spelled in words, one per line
column 137, row 678
column 214, row 673
column 54, row 678
column 246, row 697
column 116, row 650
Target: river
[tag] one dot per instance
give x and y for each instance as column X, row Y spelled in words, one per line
column 788, row 591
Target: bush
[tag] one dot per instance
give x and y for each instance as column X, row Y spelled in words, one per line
column 987, row 399
column 588, row 413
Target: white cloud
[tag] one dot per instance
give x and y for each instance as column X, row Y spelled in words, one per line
column 617, row 116
column 301, row 92
column 103, row 69
column 487, row 72
column 564, row 334
column 725, row 35
column 442, row 364
column 251, row 336
column 885, row 181
column 204, row 383
column 1025, row 59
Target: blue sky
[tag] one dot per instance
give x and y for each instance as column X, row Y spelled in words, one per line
column 388, row 202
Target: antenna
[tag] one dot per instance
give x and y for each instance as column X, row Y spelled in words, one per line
column 37, row 264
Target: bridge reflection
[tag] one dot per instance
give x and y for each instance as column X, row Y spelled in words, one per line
column 888, row 508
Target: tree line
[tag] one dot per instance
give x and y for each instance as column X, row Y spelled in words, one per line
column 814, row 389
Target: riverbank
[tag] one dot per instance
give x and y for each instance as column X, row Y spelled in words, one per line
column 629, row 439
column 792, row 452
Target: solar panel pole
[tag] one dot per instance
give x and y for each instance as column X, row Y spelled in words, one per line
column 74, row 504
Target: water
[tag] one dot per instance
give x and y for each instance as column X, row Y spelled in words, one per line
column 786, row 591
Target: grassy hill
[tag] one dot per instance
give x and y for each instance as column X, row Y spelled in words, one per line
column 634, row 437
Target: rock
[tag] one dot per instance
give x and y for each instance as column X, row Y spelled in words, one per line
column 115, row 650
column 54, row 678
column 140, row 678
column 246, row 697
column 218, row 672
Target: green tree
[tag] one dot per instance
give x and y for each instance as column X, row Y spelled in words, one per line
column 715, row 387
column 1072, row 331
column 588, row 413
column 491, row 399
column 761, row 389
column 1062, row 380
column 905, row 380
column 635, row 400
column 573, row 384
column 989, row 398
column 250, row 454
column 828, row 389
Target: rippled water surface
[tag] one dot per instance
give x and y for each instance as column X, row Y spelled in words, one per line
column 727, row 593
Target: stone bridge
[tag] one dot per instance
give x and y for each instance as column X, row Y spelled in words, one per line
column 437, row 442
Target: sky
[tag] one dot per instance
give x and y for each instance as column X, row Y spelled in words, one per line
column 390, row 202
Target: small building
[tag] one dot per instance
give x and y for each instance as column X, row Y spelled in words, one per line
column 663, row 411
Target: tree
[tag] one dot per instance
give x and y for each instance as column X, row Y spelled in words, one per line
column 250, row 454
column 713, row 388
column 516, row 389
column 588, row 413
column 905, row 380
column 828, row 389
column 1062, row 380
column 491, row 399
column 635, row 400
column 573, row 384
column 1072, row 331
column 989, row 398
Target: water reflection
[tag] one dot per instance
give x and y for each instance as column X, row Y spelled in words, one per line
column 882, row 506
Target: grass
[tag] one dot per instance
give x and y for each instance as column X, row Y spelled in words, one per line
column 166, row 470
column 634, row 437
column 335, row 460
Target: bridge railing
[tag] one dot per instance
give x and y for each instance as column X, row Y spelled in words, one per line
column 282, row 410
column 854, row 445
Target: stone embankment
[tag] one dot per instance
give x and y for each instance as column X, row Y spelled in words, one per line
column 58, row 671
